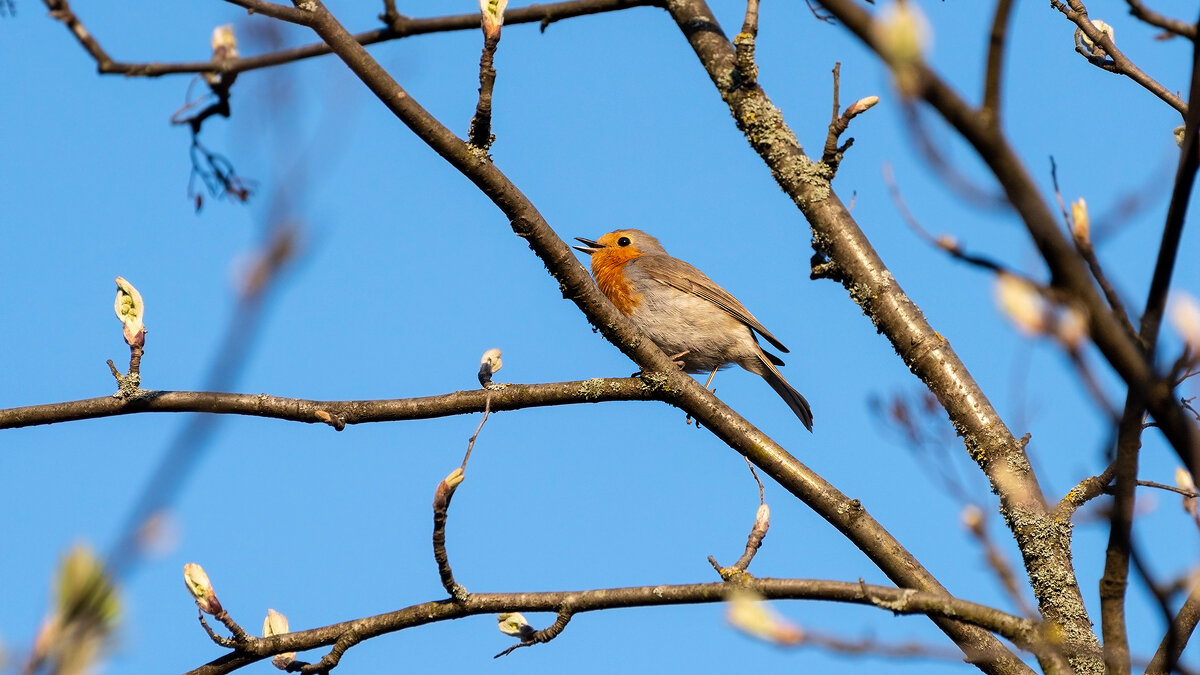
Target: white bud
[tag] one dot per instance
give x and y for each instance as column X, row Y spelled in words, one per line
column 751, row 615
column 862, row 105
column 493, row 15
column 903, row 35
column 512, row 623
column 1022, row 303
column 131, row 311
column 1082, row 223
column 277, row 624
column 224, row 43
column 201, row 589
column 1183, row 480
column 489, row 365
column 1185, row 318
column 1101, row 26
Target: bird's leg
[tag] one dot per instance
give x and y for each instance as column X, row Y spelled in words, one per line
column 678, row 358
column 706, row 383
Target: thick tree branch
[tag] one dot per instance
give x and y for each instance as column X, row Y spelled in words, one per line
column 1067, row 269
column 853, row 261
column 338, row 413
column 1021, row 632
column 845, row 514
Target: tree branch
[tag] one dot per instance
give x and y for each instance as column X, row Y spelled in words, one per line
column 1022, row 632
column 1178, row 634
column 338, row 413
column 1067, row 269
column 1116, row 564
column 845, row 514
column 1138, row 10
column 1113, row 59
column 403, row 27
column 853, row 261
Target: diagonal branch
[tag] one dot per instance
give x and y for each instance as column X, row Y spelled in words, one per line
column 1139, row 10
column 1113, row 59
column 1068, row 271
column 852, row 260
column 845, row 514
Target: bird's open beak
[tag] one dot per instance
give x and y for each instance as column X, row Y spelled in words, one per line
column 592, row 246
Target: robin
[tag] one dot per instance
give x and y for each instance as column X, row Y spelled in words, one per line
column 684, row 312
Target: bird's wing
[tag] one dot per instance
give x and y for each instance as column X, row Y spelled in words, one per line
column 683, row 276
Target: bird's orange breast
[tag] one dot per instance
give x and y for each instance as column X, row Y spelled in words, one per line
column 608, row 266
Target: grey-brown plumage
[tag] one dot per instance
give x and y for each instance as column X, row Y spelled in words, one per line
column 684, row 312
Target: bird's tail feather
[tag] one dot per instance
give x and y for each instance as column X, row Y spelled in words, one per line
column 787, row 392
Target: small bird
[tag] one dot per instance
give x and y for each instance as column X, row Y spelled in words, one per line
column 695, row 321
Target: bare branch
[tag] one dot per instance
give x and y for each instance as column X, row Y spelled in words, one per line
column 1068, row 271
column 1105, row 54
column 441, row 506
column 273, row 10
column 402, row 27
column 844, row 253
column 1138, row 9
column 900, row 601
column 832, row 157
column 61, row 10
column 844, row 513
column 510, row 397
column 480, row 131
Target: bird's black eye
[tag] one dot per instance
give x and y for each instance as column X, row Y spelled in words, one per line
column 624, row 241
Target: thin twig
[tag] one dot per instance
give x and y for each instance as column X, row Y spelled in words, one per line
column 542, row 636
column 945, row 242
column 441, row 505
column 744, row 43
column 479, row 133
column 1177, row 636
column 762, row 495
column 487, row 410
column 1104, row 54
column 1083, row 244
column 999, row 564
column 1139, row 10
column 833, row 153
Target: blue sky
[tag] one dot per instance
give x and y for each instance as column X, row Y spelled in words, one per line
column 407, row 275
